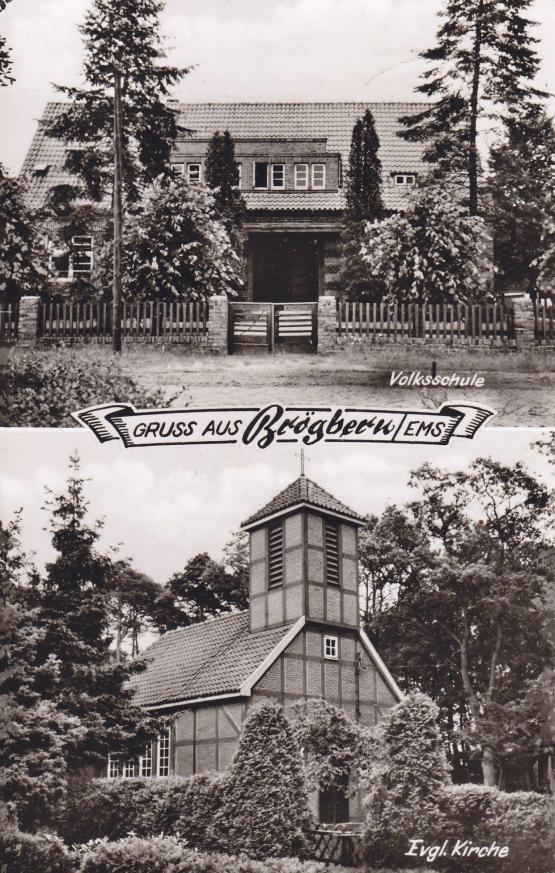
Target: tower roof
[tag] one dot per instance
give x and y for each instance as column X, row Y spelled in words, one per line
column 302, row 492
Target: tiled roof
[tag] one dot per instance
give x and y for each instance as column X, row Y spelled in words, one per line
column 331, row 121
column 206, row 659
column 302, row 490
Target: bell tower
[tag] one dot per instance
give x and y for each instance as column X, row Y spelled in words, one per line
column 303, row 559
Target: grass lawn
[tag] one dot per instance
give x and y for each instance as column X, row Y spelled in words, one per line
column 520, row 387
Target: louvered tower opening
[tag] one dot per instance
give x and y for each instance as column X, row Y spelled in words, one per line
column 275, row 537
column 332, row 554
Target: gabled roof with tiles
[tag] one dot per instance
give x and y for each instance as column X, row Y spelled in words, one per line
column 203, row 660
column 302, row 491
column 333, row 122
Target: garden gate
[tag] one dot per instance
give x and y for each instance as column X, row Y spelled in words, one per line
column 270, row 327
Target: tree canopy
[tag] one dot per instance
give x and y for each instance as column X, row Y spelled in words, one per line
column 462, row 616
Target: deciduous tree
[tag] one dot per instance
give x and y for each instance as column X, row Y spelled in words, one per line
column 177, row 249
column 433, row 253
column 21, row 269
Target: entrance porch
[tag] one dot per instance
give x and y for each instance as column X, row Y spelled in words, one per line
column 290, row 267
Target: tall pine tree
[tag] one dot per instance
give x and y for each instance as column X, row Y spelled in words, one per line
column 6, row 63
column 73, row 603
column 34, row 733
column 363, row 204
column 522, row 188
column 483, row 64
column 122, row 35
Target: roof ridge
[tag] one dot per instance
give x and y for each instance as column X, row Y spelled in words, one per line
column 193, row 626
column 204, row 666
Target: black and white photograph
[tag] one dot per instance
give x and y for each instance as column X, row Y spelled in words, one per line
column 330, row 657
column 277, row 436
column 345, row 199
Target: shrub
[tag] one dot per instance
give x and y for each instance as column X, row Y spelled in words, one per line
column 522, row 821
column 42, row 390
column 404, row 800
column 113, row 808
column 40, row 853
column 166, row 855
column 264, row 799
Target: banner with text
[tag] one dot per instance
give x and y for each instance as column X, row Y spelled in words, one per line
column 263, row 426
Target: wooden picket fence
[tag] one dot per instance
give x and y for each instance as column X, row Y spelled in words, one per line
column 147, row 322
column 9, row 317
column 332, row 846
column 444, row 322
column 544, row 313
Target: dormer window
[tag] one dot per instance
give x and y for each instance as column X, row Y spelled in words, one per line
column 41, row 169
column 318, row 175
column 301, row 176
column 193, row 172
column 331, row 648
column 403, row 179
column 260, row 174
column 275, row 562
column 278, row 176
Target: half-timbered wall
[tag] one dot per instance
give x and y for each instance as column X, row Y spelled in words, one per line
column 305, row 587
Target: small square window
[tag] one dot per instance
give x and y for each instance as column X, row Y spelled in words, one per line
column 193, row 172
column 404, row 179
column 261, row 174
column 330, row 648
column 301, row 176
column 318, row 175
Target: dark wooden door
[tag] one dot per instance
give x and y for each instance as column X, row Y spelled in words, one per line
column 285, row 270
column 302, row 285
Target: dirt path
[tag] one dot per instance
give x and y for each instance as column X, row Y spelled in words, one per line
column 519, row 398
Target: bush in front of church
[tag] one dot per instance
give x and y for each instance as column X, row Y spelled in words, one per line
column 406, row 792
column 264, row 807
column 114, row 808
column 40, row 853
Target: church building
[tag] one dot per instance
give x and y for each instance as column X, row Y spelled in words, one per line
column 299, row 638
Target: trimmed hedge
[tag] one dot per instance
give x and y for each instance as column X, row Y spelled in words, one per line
column 523, row 821
column 39, row 853
column 166, row 855
column 113, row 808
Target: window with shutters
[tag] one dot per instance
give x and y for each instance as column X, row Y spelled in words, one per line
column 332, row 553
column 275, row 544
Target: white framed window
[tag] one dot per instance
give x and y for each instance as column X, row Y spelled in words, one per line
column 145, row 761
column 278, row 175
column 163, row 768
column 260, row 174
column 318, row 175
column 301, row 175
column 404, row 179
column 178, row 169
column 129, row 770
column 194, row 172
column 331, row 648
column 74, row 261
column 113, row 768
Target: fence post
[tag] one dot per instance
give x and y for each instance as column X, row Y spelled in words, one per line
column 218, row 316
column 327, row 324
column 28, row 328
column 525, row 323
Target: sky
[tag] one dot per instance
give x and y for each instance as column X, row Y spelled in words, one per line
column 286, row 50
column 163, row 506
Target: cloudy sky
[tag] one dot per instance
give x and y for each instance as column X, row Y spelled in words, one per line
column 243, row 50
column 163, row 506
